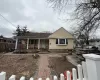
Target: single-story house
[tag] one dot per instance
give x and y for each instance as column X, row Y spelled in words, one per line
column 60, row 40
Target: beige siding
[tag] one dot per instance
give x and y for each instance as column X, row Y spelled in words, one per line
column 53, row 45
column 61, row 33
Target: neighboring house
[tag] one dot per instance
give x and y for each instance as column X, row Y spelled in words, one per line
column 60, row 40
column 94, row 42
column 6, row 44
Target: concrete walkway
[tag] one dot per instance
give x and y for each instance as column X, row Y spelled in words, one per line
column 72, row 59
column 43, row 71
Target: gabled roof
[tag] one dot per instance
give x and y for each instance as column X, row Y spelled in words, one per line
column 61, row 33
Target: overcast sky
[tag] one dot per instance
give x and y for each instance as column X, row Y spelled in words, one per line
column 36, row 14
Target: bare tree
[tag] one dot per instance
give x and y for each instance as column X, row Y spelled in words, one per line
column 88, row 14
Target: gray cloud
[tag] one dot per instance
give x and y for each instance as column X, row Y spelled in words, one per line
column 36, row 14
column 5, row 31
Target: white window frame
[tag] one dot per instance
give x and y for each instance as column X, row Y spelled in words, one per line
column 59, row 41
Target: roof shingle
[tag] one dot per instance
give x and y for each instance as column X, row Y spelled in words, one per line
column 35, row 35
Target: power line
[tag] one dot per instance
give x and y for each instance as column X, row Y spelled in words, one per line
column 8, row 20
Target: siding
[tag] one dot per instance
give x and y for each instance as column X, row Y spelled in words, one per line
column 53, row 45
column 61, row 33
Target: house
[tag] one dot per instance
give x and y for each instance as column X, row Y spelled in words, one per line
column 6, row 44
column 60, row 40
column 95, row 42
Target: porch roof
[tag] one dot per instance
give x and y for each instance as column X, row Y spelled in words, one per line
column 34, row 35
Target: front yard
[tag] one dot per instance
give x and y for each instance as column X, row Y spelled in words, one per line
column 20, row 65
column 26, row 65
column 58, row 65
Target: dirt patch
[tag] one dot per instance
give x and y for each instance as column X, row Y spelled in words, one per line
column 26, row 65
column 58, row 66
column 19, row 65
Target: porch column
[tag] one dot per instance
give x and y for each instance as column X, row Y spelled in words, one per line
column 27, row 42
column 93, row 66
column 16, row 43
column 38, row 43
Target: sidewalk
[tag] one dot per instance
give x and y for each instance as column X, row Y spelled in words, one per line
column 43, row 71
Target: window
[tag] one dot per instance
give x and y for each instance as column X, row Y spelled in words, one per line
column 4, row 40
column 56, row 41
column 61, row 41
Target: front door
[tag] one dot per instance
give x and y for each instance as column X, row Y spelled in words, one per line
column 44, row 44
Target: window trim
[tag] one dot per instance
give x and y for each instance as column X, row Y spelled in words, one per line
column 66, row 42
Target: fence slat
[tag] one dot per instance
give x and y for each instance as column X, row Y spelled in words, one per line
column 55, row 78
column 84, row 70
column 61, row 76
column 40, row 79
column 47, row 78
column 80, row 76
column 68, row 75
column 31, row 78
column 2, row 75
column 12, row 77
column 22, row 78
column 74, row 73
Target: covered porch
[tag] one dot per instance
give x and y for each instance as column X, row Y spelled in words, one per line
column 32, row 44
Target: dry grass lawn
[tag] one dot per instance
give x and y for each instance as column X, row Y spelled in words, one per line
column 20, row 65
column 58, row 65
column 26, row 65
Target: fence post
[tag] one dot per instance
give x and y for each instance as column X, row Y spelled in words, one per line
column 68, row 75
column 74, row 73
column 55, row 78
column 61, row 76
column 31, row 78
column 39, row 78
column 93, row 66
column 2, row 75
column 80, row 75
column 47, row 78
column 12, row 77
column 84, row 70
column 22, row 78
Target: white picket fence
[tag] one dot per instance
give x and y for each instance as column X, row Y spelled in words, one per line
column 81, row 70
